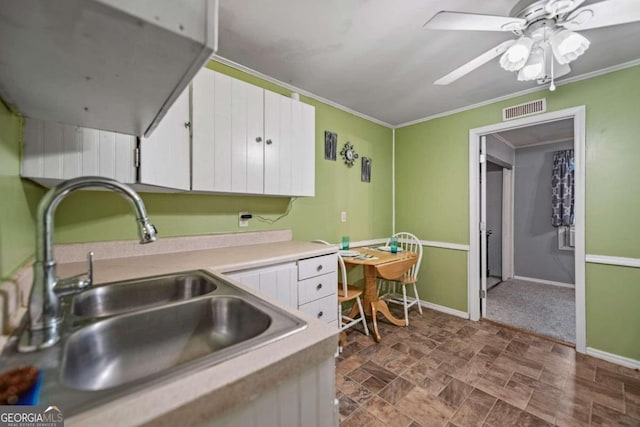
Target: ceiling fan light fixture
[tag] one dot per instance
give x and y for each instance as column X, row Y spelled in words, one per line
column 568, row 45
column 516, row 56
column 534, row 68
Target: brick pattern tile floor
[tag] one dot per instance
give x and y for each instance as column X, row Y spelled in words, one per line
column 447, row 371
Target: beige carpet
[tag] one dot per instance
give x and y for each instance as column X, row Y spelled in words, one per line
column 543, row 309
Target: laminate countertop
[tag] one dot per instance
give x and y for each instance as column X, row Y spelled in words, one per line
column 199, row 396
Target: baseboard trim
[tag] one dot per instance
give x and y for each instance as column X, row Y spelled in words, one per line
column 545, row 282
column 614, row 358
column 613, row 260
column 444, row 309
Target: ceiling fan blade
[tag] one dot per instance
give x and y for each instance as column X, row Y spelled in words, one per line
column 473, row 22
column 474, row 63
column 603, row 14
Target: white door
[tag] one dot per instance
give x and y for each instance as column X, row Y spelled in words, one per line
column 483, row 225
column 507, row 224
column 165, row 155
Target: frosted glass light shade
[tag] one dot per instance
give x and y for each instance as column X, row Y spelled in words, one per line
column 568, row 45
column 534, row 68
column 516, row 56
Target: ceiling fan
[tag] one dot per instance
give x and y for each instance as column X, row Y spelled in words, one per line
column 547, row 39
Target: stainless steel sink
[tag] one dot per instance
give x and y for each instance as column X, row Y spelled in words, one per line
column 126, row 348
column 99, row 359
column 121, row 297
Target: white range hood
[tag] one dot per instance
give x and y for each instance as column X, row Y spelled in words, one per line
column 115, row 65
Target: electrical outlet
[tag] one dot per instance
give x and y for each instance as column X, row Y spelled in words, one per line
column 343, row 216
column 242, row 222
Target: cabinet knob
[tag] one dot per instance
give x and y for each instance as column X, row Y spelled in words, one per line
column 320, row 314
column 259, row 139
column 269, row 142
column 319, row 286
column 319, row 268
column 187, row 125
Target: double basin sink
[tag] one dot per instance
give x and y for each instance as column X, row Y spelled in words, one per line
column 123, row 336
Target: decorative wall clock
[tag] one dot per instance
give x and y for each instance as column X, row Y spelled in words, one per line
column 348, row 154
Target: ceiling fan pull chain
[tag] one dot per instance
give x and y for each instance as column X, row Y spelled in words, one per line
column 552, row 87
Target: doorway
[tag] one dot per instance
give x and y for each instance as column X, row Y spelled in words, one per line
column 539, row 296
column 479, row 264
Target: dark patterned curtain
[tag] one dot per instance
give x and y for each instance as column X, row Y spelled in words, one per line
column 562, row 185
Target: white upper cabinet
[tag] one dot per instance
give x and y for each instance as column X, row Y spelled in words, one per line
column 114, row 65
column 222, row 135
column 165, row 155
column 250, row 140
column 54, row 152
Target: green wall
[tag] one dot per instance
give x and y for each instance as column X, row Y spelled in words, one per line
column 98, row 216
column 18, row 198
column 432, row 162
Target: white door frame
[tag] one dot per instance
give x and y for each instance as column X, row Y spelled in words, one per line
column 578, row 114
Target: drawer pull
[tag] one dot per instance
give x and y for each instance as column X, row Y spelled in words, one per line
column 319, row 286
column 319, row 267
column 320, row 314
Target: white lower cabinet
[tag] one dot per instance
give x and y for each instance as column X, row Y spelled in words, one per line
column 310, row 285
column 306, row 399
column 278, row 282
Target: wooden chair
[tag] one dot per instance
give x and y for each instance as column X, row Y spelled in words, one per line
column 408, row 242
column 347, row 293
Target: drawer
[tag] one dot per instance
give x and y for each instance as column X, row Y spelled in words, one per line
column 323, row 309
column 317, row 287
column 311, row 267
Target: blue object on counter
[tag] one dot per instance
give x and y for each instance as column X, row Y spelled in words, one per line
column 32, row 396
column 394, row 245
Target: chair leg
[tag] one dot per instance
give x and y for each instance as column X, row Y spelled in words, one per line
column 379, row 287
column 415, row 292
column 362, row 316
column 339, row 324
column 404, row 300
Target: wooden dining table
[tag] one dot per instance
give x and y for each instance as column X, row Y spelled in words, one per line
column 379, row 264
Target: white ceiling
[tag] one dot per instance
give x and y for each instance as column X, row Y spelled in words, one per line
column 544, row 133
column 374, row 57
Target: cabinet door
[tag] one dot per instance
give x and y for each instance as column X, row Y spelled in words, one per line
column 303, row 149
column 247, row 143
column 277, row 282
column 255, row 139
column 307, row 162
column 212, row 140
column 277, row 149
column 164, row 156
column 54, row 152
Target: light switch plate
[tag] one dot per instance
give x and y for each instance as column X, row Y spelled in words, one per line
column 343, row 216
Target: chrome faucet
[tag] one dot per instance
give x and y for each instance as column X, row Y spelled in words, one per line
column 44, row 314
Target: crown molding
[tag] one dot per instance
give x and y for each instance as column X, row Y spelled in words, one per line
column 562, row 82
column 292, row 88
